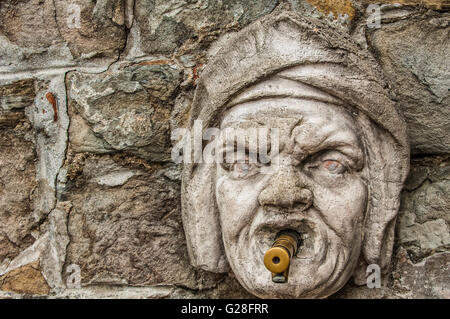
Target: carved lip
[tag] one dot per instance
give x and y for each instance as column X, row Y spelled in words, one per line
column 313, row 242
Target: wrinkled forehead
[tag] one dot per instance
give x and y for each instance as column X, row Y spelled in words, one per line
column 309, row 118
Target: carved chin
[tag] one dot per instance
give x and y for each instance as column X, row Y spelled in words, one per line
column 321, row 267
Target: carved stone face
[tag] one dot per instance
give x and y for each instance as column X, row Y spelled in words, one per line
column 317, row 189
column 343, row 157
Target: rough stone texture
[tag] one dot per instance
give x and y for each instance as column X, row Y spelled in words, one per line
column 102, row 33
column 43, row 33
column 17, row 95
column 167, row 25
column 141, row 127
column 27, row 279
column 434, row 4
column 336, row 8
column 424, row 215
column 29, row 23
column 17, row 171
column 125, row 225
column 410, row 53
column 50, row 121
column 109, row 198
column 228, row 288
column 427, row 279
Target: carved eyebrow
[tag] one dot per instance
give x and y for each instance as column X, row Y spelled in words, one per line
column 354, row 153
column 344, row 143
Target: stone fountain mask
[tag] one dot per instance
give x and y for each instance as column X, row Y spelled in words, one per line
column 343, row 157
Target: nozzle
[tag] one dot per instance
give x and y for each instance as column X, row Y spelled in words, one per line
column 278, row 258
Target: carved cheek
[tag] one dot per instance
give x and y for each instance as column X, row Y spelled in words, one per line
column 343, row 206
column 237, row 201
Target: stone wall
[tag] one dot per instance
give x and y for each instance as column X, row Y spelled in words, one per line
column 89, row 93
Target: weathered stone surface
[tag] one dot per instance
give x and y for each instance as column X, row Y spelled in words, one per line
column 50, row 121
column 125, row 225
column 29, row 35
column 29, row 23
column 45, row 33
column 334, row 7
column 423, row 239
column 17, row 95
column 410, row 53
column 126, row 110
column 166, row 25
column 27, row 279
column 101, row 32
column 427, row 279
column 338, row 14
column 53, row 253
column 424, row 214
column 17, row 173
column 228, row 288
column 433, row 4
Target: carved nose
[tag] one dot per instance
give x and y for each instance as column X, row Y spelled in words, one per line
column 287, row 190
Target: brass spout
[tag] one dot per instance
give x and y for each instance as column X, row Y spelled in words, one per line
column 278, row 258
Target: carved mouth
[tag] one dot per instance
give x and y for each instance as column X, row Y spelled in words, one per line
column 311, row 238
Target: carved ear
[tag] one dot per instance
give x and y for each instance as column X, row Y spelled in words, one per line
column 388, row 166
column 201, row 219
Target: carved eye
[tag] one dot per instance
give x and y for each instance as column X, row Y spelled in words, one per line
column 242, row 170
column 334, row 167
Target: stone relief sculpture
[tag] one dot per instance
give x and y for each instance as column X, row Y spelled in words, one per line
column 342, row 160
